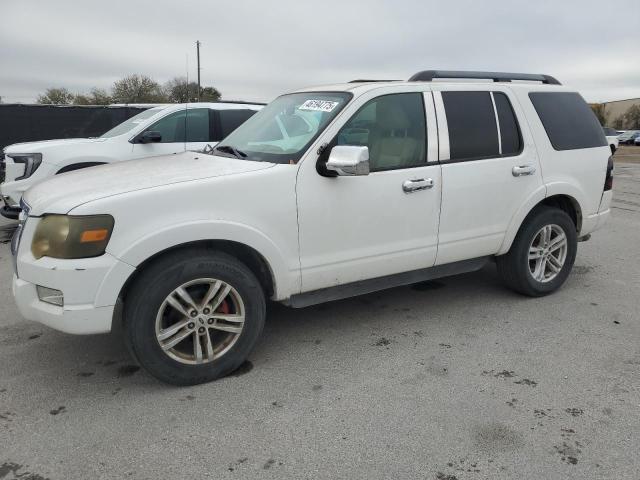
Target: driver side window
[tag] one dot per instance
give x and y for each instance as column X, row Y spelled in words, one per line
column 393, row 127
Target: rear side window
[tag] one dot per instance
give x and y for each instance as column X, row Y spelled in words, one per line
column 610, row 132
column 510, row 136
column 568, row 120
column 232, row 119
column 473, row 133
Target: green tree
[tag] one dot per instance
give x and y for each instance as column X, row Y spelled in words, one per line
column 600, row 109
column 97, row 96
column 210, row 94
column 179, row 91
column 618, row 123
column 56, row 96
column 137, row 89
column 632, row 118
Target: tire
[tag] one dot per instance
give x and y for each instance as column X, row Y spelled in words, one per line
column 150, row 314
column 515, row 267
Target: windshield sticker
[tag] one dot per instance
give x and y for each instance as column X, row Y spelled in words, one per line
column 318, row 105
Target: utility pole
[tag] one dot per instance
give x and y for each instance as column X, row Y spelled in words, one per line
column 198, row 54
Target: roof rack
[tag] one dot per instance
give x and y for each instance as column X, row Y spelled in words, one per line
column 429, row 75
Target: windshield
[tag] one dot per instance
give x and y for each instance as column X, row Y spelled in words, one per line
column 282, row 131
column 131, row 123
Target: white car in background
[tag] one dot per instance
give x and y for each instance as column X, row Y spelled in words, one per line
column 162, row 130
column 612, row 138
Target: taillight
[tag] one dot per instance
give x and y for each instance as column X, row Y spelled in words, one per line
column 608, row 181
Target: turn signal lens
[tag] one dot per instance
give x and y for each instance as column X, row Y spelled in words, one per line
column 90, row 236
column 64, row 236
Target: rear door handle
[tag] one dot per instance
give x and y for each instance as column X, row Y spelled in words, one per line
column 523, row 170
column 410, row 186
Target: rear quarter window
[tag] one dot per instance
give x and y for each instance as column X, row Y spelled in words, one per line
column 568, row 120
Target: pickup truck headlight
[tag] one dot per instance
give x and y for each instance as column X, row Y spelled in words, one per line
column 68, row 237
column 31, row 162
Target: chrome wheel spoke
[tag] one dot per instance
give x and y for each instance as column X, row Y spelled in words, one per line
column 220, row 296
column 208, row 345
column 229, row 318
column 176, row 339
column 226, row 328
column 554, row 264
column 197, row 347
column 558, row 242
column 172, row 330
column 538, row 272
column 186, row 298
column 171, row 300
column 213, row 289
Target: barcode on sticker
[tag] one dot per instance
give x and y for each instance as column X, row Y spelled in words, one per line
column 318, row 105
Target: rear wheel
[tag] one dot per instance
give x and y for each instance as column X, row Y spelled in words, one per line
column 194, row 316
column 542, row 254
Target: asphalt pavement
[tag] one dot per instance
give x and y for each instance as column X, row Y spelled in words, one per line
column 452, row 379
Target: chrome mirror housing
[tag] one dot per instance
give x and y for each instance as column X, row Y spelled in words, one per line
column 349, row 160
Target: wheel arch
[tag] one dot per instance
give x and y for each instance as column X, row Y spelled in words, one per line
column 253, row 259
column 563, row 201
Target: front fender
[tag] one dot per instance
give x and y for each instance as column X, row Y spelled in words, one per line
column 284, row 268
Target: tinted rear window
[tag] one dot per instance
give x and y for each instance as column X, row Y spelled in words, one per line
column 472, row 126
column 510, row 136
column 232, row 119
column 568, row 120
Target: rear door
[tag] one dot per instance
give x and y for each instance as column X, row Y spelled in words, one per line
column 489, row 168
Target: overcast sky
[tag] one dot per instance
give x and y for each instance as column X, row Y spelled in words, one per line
column 256, row 50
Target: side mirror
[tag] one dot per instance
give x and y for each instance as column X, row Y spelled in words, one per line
column 347, row 160
column 150, row 136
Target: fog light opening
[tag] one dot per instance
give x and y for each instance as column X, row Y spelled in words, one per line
column 50, row 295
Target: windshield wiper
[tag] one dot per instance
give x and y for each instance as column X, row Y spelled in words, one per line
column 232, row 150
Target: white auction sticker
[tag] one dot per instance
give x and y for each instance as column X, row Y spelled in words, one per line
column 318, row 105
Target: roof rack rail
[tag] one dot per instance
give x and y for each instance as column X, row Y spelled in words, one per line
column 429, row 75
column 364, row 80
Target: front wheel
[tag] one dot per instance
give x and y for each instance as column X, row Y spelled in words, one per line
column 194, row 316
column 542, row 254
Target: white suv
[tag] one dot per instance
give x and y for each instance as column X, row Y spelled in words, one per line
column 162, row 130
column 326, row 193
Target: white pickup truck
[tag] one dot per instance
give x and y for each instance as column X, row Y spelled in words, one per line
column 162, row 130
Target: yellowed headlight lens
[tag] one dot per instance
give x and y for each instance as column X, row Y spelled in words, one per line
column 63, row 236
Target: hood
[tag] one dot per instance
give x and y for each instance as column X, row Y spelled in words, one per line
column 62, row 193
column 43, row 146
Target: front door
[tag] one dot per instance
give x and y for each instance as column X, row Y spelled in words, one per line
column 358, row 228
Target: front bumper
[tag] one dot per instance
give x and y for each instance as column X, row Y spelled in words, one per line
column 76, row 319
column 90, row 287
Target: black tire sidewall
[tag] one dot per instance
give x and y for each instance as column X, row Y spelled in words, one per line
column 538, row 219
column 157, row 282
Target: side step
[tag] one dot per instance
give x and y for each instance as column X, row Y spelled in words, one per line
column 382, row 283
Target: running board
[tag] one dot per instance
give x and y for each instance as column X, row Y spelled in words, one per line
column 363, row 287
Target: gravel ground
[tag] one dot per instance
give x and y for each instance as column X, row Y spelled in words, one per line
column 454, row 379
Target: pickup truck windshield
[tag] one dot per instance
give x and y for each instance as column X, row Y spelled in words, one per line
column 283, row 130
column 130, row 124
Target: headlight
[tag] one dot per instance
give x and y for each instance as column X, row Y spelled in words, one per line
column 31, row 162
column 63, row 236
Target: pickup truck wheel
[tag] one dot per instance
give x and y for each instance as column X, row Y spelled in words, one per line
column 542, row 253
column 193, row 317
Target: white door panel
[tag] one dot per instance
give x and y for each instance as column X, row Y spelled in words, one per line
column 356, row 228
column 480, row 197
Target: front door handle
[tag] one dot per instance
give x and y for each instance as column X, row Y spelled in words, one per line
column 410, row 186
column 523, row 170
